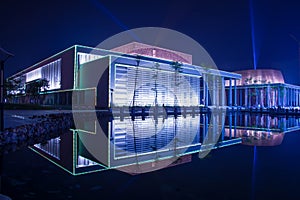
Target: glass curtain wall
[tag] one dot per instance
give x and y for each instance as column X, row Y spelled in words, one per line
column 51, row 72
column 136, row 86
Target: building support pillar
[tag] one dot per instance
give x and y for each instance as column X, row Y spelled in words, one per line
column 297, row 97
column 278, row 96
column 284, row 97
column 294, row 97
column 223, row 94
column 235, row 93
column 267, row 96
column 230, row 92
column 214, row 90
column 289, row 97
column 241, row 97
column 246, row 97
column 204, row 89
column 256, row 97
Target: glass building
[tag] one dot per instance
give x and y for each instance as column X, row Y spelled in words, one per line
column 265, row 88
column 80, row 75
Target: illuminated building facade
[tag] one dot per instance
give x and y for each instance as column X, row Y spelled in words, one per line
column 265, row 88
column 140, row 75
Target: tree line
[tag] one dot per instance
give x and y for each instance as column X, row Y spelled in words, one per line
column 15, row 88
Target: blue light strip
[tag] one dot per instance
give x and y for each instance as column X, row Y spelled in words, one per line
column 252, row 33
column 253, row 173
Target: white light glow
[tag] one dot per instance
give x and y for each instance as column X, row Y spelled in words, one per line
column 51, row 72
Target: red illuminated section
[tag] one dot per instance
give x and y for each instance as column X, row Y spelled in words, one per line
column 258, row 138
column 260, row 76
column 153, row 51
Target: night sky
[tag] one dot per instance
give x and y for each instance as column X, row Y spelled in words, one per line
column 35, row 30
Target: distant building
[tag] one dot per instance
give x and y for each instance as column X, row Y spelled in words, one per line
column 265, row 88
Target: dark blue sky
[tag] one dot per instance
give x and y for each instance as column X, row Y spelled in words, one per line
column 35, row 30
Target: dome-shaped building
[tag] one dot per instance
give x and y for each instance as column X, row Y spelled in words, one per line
column 264, row 88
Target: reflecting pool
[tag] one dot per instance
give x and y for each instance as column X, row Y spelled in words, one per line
column 182, row 157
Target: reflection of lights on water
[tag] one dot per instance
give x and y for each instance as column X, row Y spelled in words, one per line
column 141, row 128
column 152, row 134
column 18, row 116
column 258, row 138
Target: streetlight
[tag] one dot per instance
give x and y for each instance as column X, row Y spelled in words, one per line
column 4, row 55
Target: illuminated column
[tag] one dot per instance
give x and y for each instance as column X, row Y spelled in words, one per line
column 235, row 123
column 214, row 127
column 256, row 97
column 230, row 92
column 298, row 97
column 263, row 97
column 272, row 91
column 214, row 90
column 288, row 96
column 291, row 97
column 230, row 124
column 241, row 97
column 246, row 96
column 294, row 99
column 278, row 96
column 204, row 90
column 204, row 126
column 296, row 94
column 284, row 97
column 223, row 128
column 235, row 93
column 223, row 91
column 267, row 96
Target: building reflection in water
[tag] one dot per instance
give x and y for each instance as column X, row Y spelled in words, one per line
column 260, row 130
column 145, row 144
column 135, row 145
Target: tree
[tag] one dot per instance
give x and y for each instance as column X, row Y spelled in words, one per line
column 43, row 84
column 11, row 88
column 138, row 59
column 34, row 88
column 155, row 77
column 177, row 66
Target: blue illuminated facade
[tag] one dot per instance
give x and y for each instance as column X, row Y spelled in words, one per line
column 125, row 80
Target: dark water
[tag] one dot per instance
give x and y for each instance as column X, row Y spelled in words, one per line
column 241, row 171
column 227, row 173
